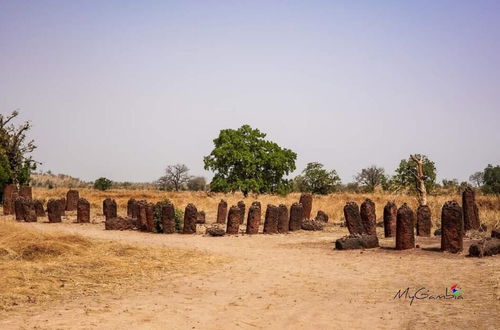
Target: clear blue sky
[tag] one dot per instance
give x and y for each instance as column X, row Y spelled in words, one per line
column 123, row 88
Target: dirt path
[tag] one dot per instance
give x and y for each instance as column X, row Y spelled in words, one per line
column 291, row 281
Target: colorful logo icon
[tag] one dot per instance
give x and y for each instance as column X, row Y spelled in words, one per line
column 456, row 290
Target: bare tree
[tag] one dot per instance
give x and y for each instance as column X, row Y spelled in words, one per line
column 371, row 177
column 420, row 178
column 175, row 176
column 477, row 179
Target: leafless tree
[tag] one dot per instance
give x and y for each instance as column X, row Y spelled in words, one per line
column 175, row 177
column 477, row 179
column 371, row 177
column 420, row 178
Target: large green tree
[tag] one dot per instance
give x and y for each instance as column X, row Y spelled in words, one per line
column 491, row 180
column 317, row 180
column 406, row 173
column 244, row 160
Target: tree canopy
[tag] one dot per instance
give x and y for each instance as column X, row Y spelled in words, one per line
column 244, row 160
column 371, row 177
column 405, row 175
column 317, row 180
column 176, row 176
column 491, row 179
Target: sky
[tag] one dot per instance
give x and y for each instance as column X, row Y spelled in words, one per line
column 121, row 89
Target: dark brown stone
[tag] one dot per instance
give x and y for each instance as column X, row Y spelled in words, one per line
column 296, row 217
column 470, row 210
column 82, row 210
column 486, row 247
column 271, row 220
column 495, row 233
column 353, row 218
column 9, row 195
column 215, row 231
column 150, row 218
column 307, row 201
column 222, row 212
column 357, row 242
column 109, row 208
column 283, row 219
column 321, row 216
column 168, row 218
column 241, row 205
column 405, row 236
column 119, row 223
column 233, row 220
column 390, row 218
column 368, row 217
column 54, row 210
column 141, row 215
column 26, row 192
column 312, row 225
column 29, row 211
column 72, row 197
column 190, row 219
column 40, row 212
column 452, row 227
column 62, row 206
column 253, row 220
column 424, row 221
column 132, row 208
column 200, row 217
column 18, row 208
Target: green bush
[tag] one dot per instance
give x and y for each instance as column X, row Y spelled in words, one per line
column 102, row 184
column 179, row 217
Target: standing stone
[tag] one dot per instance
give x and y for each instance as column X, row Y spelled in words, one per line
column 424, row 221
column 241, row 205
column 141, row 215
column 233, row 220
column 150, row 218
column 253, row 220
column 296, row 217
column 168, row 218
column 82, row 211
column 26, row 192
column 29, row 211
column 18, row 208
column 109, row 208
column 271, row 220
column 132, row 208
column 62, row 206
column 390, row 218
column 368, row 217
column 72, row 197
column 283, row 219
column 452, row 227
column 405, row 236
column 352, row 218
column 40, row 212
column 200, row 217
column 9, row 195
column 190, row 219
column 54, row 210
column 307, row 201
column 222, row 212
column 470, row 210
column 321, row 216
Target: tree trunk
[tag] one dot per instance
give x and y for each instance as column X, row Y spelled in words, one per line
column 420, row 178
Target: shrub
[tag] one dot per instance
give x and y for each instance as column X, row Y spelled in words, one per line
column 102, row 184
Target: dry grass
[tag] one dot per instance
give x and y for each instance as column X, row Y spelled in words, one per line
column 489, row 206
column 37, row 267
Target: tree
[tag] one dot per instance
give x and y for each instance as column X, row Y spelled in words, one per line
column 317, row 180
column 197, row 183
column 417, row 173
column 102, row 184
column 477, row 178
column 17, row 162
column 491, row 180
column 371, row 176
column 243, row 160
column 175, row 177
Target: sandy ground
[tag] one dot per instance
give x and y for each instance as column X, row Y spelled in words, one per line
column 293, row 281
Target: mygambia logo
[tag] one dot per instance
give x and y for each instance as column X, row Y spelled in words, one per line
column 456, row 290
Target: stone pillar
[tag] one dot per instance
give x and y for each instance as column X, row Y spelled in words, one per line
column 307, row 201
column 40, row 212
column 54, row 210
column 18, row 208
column 222, row 212
column 241, row 205
column 132, row 208
column 368, row 217
column 452, row 227
column 26, row 192
column 353, row 218
column 168, row 218
column 9, row 195
column 190, row 219
column 200, row 217
column 271, row 220
column 62, row 206
column 253, row 220
column 233, row 220
column 72, row 198
column 141, row 215
column 321, row 216
column 470, row 210
column 296, row 217
column 82, row 210
column 109, row 208
column 405, row 236
column 390, row 218
column 424, row 221
column 150, row 218
column 283, row 219
column 29, row 211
